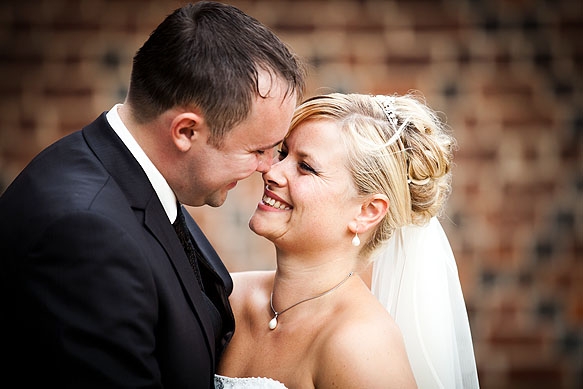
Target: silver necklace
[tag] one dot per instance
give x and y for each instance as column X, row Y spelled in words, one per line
column 273, row 322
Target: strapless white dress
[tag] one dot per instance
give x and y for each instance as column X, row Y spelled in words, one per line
column 222, row 382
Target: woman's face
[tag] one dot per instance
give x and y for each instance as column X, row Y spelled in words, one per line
column 309, row 197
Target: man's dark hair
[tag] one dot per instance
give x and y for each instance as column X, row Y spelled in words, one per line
column 208, row 54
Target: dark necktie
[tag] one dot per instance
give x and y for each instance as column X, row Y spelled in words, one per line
column 186, row 240
column 195, row 258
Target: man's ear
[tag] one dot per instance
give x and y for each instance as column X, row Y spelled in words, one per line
column 186, row 128
column 372, row 211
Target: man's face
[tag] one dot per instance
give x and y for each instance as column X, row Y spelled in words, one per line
column 247, row 148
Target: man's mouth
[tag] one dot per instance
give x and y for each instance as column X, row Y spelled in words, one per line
column 275, row 203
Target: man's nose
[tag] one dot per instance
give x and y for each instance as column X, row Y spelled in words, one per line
column 265, row 161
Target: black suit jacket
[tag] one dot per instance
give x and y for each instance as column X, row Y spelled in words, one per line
column 96, row 290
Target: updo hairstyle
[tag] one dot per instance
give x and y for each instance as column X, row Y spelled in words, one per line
column 413, row 170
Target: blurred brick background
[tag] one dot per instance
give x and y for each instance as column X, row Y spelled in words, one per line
column 507, row 75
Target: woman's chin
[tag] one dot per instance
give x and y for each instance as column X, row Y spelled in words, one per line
column 260, row 228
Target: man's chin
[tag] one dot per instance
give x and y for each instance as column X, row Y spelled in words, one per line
column 217, row 201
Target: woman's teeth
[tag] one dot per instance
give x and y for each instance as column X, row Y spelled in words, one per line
column 274, row 203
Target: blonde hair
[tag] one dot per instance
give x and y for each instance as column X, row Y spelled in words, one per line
column 414, row 171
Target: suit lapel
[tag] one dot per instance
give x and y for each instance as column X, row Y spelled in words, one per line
column 132, row 180
column 167, row 237
column 213, row 261
column 222, row 279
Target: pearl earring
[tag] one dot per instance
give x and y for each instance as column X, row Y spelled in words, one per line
column 356, row 240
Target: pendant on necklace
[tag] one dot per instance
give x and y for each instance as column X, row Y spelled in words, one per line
column 273, row 323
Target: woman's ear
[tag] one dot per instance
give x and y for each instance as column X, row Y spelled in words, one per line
column 372, row 211
column 186, row 128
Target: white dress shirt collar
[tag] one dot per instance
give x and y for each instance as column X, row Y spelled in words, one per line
column 163, row 190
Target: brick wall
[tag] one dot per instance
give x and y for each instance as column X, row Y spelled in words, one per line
column 508, row 76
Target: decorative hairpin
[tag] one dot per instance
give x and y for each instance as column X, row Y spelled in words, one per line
column 387, row 103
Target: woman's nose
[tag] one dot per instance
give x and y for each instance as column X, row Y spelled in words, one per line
column 274, row 175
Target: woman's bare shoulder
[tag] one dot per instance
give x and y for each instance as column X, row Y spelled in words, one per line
column 366, row 349
column 252, row 277
column 248, row 285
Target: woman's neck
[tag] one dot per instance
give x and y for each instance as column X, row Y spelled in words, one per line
column 298, row 278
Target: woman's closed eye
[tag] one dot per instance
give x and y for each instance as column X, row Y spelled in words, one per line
column 304, row 166
column 282, row 154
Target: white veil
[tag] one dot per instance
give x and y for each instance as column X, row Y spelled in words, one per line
column 415, row 277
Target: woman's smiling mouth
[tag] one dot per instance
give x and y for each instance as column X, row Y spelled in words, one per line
column 275, row 203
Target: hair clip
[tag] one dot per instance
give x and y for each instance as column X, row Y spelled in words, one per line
column 388, row 106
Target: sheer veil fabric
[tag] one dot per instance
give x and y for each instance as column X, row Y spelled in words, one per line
column 415, row 277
